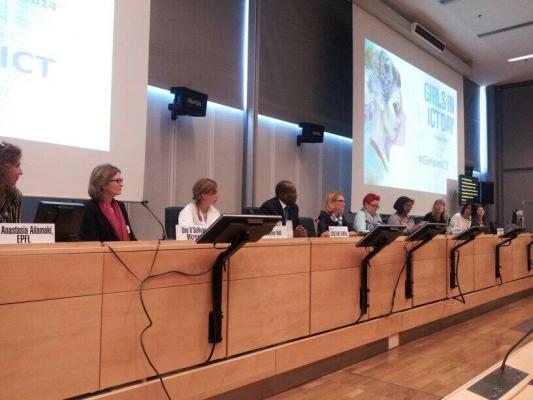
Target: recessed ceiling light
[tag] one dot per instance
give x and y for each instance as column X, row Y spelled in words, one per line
column 521, row 58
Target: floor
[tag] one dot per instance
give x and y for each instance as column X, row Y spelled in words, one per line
column 428, row 368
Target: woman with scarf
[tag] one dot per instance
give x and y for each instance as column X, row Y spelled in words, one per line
column 106, row 219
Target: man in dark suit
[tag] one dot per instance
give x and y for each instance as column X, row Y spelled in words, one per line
column 284, row 205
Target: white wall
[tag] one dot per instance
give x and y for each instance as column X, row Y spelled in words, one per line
column 180, row 152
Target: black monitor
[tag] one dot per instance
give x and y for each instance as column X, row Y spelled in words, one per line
column 513, row 233
column 381, row 236
column 228, row 226
column 427, row 232
column 470, row 233
column 67, row 218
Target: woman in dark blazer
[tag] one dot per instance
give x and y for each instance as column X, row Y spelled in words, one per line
column 332, row 214
column 106, row 219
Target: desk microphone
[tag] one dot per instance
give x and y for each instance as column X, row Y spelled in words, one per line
column 144, row 203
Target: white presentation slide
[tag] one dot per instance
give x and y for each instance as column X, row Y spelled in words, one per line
column 73, row 84
column 410, row 125
column 56, row 60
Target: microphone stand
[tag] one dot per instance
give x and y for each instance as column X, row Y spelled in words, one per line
column 144, row 203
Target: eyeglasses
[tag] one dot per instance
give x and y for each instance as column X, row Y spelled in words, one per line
column 341, row 200
column 374, row 205
column 120, row 181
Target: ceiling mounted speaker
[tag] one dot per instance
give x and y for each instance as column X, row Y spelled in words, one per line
column 428, row 37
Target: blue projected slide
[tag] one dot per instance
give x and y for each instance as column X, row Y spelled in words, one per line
column 410, row 125
column 56, row 71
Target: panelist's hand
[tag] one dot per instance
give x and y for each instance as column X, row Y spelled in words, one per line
column 300, row 231
column 325, row 234
column 352, row 233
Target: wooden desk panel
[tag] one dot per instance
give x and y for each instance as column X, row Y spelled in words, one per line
column 484, row 261
column 334, row 298
column 383, row 275
column 327, row 253
column 178, row 338
column 429, row 272
column 519, row 250
column 270, row 257
column 28, row 277
column 50, row 349
column 464, row 271
column 138, row 256
column 267, row 310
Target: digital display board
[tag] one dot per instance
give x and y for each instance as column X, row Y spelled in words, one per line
column 468, row 190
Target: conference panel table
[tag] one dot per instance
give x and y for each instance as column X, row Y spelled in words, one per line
column 72, row 317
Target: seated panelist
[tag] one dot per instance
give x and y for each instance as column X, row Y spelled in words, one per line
column 106, row 219
column 10, row 171
column 403, row 206
column 438, row 213
column 461, row 221
column 284, row 205
column 201, row 210
column 478, row 216
column 332, row 214
column 367, row 218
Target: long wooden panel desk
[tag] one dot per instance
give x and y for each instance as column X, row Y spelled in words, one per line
column 71, row 315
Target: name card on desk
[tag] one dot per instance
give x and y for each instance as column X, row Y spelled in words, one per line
column 338, row 232
column 278, row 232
column 189, row 232
column 27, row 233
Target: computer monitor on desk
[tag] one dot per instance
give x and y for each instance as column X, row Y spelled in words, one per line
column 67, row 218
column 228, row 226
column 237, row 230
column 427, row 232
column 378, row 238
column 470, row 233
column 381, row 236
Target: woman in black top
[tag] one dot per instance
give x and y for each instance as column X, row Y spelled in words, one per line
column 478, row 215
column 332, row 214
column 438, row 213
column 10, row 196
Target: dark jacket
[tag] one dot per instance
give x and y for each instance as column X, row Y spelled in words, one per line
column 325, row 221
column 273, row 207
column 429, row 218
column 96, row 227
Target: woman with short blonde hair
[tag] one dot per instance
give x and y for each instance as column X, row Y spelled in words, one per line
column 332, row 214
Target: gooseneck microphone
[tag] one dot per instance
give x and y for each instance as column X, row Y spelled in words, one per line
column 144, row 203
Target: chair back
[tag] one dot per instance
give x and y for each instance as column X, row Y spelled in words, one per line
column 309, row 224
column 171, row 220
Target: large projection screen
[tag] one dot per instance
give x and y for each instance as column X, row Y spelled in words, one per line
column 73, row 83
column 408, row 119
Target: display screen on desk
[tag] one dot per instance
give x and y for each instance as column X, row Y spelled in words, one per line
column 468, row 189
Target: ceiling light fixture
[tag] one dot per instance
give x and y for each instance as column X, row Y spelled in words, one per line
column 521, row 58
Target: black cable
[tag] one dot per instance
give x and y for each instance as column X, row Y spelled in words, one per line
column 397, row 282
column 150, row 324
column 456, row 268
column 502, row 368
column 122, row 262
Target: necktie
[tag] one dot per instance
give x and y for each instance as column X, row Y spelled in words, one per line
column 286, row 213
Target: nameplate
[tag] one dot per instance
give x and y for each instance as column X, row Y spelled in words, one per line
column 278, row 232
column 338, row 232
column 27, row 233
column 189, row 232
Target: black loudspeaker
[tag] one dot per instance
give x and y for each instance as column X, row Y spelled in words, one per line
column 311, row 133
column 486, row 192
column 187, row 102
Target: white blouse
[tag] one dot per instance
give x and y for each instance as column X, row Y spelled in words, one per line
column 190, row 215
